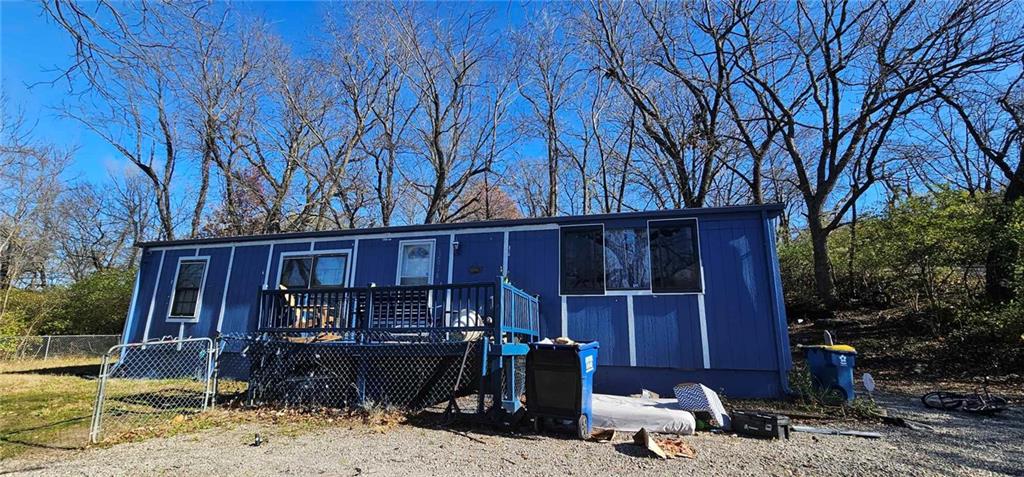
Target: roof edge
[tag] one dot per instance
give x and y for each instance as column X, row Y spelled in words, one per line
column 772, row 209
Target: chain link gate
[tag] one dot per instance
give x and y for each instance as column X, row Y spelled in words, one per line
column 143, row 387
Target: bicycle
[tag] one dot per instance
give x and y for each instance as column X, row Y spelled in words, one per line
column 980, row 402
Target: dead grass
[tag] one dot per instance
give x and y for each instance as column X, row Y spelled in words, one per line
column 44, row 412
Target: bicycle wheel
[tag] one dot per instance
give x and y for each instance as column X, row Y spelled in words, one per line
column 978, row 405
column 943, row 400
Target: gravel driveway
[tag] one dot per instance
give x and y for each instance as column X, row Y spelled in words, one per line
column 960, row 445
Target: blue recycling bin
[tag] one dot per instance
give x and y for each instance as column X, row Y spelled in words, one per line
column 831, row 368
column 560, row 383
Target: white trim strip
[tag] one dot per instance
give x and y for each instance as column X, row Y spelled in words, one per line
column 355, row 259
column 448, row 292
column 703, row 331
column 391, row 235
column 565, row 316
column 224, row 293
column 152, row 301
column 266, row 269
column 632, row 330
column 504, row 255
column 451, row 256
column 125, row 335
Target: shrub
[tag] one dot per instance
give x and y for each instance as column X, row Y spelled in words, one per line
column 97, row 304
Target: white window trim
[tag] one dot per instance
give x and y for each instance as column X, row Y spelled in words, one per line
column 433, row 257
column 347, row 252
column 604, row 280
column 700, row 259
column 202, row 288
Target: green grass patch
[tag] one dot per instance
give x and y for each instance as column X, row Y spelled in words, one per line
column 43, row 412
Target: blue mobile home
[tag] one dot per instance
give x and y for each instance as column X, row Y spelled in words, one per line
column 672, row 296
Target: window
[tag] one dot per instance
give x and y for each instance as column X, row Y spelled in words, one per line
column 675, row 256
column 295, row 272
column 188, row 288
column 316, row 271
column 627, row 259
column 329, row 270
column 416, row 263
column 582, row 260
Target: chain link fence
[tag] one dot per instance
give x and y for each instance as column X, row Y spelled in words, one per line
column 55, row 346
column 362, row 369
column 144, row 387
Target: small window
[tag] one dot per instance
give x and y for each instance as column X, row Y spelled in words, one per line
column 315, row 271
column 295, row 272
column 329, row 270
column 675, row 256
column 416, row 263
column 627, row 259
column 188, row 288
column 582, row 260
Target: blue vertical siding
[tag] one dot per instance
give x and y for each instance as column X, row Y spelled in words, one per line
column 533, row 266
column 213, row 292
column 334, row 245
column 601, row 318
column 441, row 253
column 159, row 327
column 148, row 265
column 667, row 331
column 378, row 260
column 737, row 298
column 241, row 308
column 478, row 258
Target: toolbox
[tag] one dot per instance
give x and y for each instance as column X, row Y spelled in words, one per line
column 760, row 425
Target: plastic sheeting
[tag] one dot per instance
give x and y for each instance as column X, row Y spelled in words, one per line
column 629, row 414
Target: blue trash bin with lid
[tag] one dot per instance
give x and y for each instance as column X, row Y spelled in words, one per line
column 831, row 368
column 560, row 383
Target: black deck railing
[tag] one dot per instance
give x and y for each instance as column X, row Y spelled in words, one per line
column 436, row 308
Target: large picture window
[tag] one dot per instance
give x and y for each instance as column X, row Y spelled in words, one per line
column 627, row 259
column 675, row 256
column 313, row 271
column 582, row 260
column 188, row 289
column 416, row 263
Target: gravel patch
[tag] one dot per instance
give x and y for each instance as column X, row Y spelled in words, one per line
column 959, row 445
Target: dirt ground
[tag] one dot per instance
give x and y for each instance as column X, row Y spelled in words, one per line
column 959, row 445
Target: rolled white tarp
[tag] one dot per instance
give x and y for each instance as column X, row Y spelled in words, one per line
column 629, row 414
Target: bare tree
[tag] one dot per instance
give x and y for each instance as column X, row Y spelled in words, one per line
column 993, row 116
column 462, row 94
column 30, row 184
column 843, row 73
column 548, row 79
column 676, row 79
column 130, row 56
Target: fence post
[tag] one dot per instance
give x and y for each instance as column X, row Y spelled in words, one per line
column 46, row 352
column 97, row 409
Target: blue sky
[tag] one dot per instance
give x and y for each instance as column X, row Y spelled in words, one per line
column 33, row 49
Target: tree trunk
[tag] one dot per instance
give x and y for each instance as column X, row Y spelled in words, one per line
column 823, row 284
column 1002, row 254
